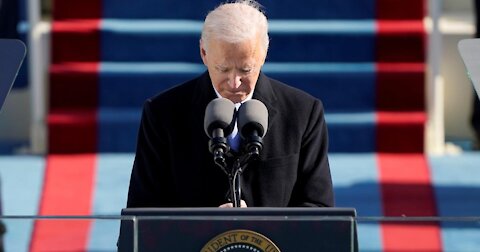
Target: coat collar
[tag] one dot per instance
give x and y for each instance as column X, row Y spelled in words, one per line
column 203, row 92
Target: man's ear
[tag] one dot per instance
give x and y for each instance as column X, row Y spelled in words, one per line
column 203, row 52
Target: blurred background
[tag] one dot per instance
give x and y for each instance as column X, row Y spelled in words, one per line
column 397, row 98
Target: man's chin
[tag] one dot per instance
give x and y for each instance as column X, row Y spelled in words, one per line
column 236, row 98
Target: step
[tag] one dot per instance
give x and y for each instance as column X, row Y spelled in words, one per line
column 292, row 40
column 401, row 131
column 396, row 132
column 342, row 87
column 74, row 85
column 72, row 131
column 275, row 9
column 115, row 130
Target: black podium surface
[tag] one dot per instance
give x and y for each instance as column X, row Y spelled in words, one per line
column 12, row 53
column 248, row 229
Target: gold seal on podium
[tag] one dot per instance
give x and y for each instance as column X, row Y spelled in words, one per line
column 240, row 240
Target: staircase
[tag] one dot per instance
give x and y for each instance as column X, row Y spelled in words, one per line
column 364, row 59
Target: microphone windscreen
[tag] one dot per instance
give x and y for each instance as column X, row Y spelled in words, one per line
column 219, row 114
column 253, row 115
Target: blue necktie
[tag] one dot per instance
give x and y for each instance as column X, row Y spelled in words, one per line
column 234, row 138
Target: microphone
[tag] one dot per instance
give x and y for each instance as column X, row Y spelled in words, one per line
column 253, row 124
column 217, row 125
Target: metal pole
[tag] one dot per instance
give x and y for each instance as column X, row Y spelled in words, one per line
column 36, row 79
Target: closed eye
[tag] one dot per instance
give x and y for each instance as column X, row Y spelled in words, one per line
column 222, row 69
column 247, row 70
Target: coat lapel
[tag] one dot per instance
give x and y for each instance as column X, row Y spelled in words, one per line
column 264, row 92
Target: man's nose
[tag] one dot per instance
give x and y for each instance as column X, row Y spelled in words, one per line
column 235, row 81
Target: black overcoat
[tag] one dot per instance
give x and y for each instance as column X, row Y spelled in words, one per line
column 174, row 168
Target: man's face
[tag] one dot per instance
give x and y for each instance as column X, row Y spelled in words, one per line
column 233, row 68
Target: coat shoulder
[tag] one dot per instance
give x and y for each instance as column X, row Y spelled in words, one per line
column 293, row 97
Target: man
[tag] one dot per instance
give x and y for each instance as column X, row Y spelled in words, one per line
column 173, row 166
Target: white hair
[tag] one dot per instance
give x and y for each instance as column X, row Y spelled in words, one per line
column 236, row 22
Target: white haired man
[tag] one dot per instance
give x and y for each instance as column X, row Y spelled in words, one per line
column 173, row 166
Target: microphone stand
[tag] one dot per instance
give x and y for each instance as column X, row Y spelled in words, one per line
column 219, row 147
column 235, row 185
column 235, row 177
column 235, row 173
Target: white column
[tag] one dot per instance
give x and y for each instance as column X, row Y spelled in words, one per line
column 36, row 78
column 435, row 130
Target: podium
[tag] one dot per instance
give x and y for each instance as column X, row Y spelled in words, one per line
column 12, row 53
column 245, row 229
column 469, row 50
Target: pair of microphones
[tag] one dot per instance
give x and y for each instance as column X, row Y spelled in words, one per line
column 252, row 123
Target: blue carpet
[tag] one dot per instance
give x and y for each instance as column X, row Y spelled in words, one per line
column 350, row 116
column 277, row 9
column 111, row 188
column 140, row 80
column 147, row 40
column 456, row 180
column 22, row 181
